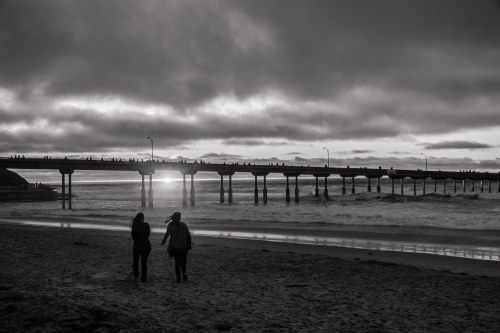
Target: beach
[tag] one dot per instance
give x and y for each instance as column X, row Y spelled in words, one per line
column 62, row 279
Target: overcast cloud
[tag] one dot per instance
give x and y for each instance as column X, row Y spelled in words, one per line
column 457, row 145
column 100, row 75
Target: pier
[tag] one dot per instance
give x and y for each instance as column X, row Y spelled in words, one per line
column 148, row 169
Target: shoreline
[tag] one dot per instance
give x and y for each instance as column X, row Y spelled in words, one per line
column 478, row 245
column 448, row 263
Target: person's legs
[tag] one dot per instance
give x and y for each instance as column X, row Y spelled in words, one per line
column 144, row 264
column 183, row 265
column 178, row 261
column 135, row 262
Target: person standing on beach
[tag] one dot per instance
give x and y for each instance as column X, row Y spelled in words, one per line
column 179, row 244
column 142, row 246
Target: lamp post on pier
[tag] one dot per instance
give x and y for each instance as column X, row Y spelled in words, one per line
column 151, row 148
column 328, row 156
column 425, row 160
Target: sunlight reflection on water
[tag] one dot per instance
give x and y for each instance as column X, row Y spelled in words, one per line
column 471, row 252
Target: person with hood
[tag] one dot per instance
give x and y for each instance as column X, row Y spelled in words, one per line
column 142, row 246
column 179, row 244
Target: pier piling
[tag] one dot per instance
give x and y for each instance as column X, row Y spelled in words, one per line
column 63, row 197
column 264, row 191
column 150, row 190
column 192, row 191
column 221, row 191
column 184, row 191
column 316, row 190
column 353, row 190
column 143, row 193
column 325, row 192
column 296, row 189
column 70, row 201
column 230, row 191
column 287, row 192
column 256, row 192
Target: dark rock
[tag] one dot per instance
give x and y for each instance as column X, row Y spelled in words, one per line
column 10, row 178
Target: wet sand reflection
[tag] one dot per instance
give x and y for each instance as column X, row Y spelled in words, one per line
column 482, row 253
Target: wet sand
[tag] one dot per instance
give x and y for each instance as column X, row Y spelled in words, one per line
column 59, row 279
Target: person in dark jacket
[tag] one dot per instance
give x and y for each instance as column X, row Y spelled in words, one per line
column 179, row 244
column 142, row 245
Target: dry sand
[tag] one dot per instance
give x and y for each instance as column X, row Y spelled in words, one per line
column 80, row 280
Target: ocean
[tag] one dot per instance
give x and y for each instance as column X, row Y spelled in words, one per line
column 440, row 223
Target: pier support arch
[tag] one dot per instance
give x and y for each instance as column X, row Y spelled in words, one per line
column 264, row 190
column 191, row 173
column 143, row 190
column 65, row 172
column 401, row 178
column 296, row 175
column 316, row 191
column 352, row 175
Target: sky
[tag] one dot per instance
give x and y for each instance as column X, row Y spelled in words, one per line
column 383, row 82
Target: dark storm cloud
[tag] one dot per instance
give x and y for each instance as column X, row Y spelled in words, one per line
column 456, row 145
column 343, row 69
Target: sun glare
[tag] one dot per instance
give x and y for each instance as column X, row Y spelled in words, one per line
column 166, row 180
